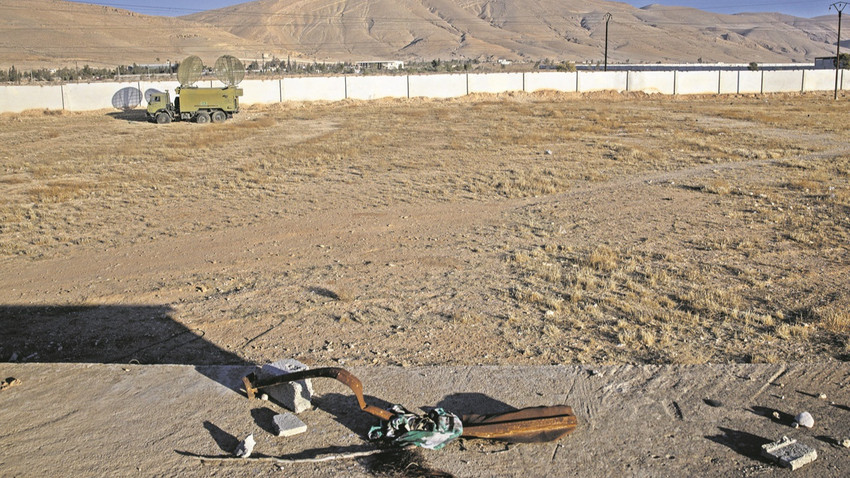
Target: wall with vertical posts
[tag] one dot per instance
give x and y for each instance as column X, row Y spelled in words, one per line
column 93, row 96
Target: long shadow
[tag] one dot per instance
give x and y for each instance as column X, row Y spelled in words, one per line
column 741, row 442
column 143, row 334
column 473, row 403
column 134, row 115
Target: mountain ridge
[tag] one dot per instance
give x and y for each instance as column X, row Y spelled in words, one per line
column 55, row 32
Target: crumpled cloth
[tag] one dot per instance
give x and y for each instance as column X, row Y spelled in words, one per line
column 432, row 431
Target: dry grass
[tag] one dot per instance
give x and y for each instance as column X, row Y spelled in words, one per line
column 734, row 278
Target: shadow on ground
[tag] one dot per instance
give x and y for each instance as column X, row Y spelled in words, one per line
column 136, row 115
column 143, row 334
column 741, row 442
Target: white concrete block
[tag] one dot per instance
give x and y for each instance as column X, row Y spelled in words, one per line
column 294, row 396
column 287, row 424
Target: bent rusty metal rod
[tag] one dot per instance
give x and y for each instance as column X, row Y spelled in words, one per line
column 252, row 385
column 527, row 425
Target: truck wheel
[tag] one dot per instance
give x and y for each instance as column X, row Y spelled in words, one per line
column 218, row 116
column 163, row 118
column 202, row 118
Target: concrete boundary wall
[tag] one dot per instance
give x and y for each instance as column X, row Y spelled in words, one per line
column 783, row 81
column 374, row 87
column 697, row 82
column 729, row 82
column 603, row 81
column 14, row 99
column 94, row 96
column 496, row 82
column 556, row 81
column 313, row 89
column 662, row 82
column 260, row 91
column 750, row 82
column 438, row 86
column 818, row 80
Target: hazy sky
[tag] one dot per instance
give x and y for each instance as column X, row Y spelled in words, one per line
column 807, row 8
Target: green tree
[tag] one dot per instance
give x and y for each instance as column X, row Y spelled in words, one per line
column 753, row 66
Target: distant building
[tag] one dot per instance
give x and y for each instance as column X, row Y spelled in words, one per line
column 381, row 65
column 828, row 62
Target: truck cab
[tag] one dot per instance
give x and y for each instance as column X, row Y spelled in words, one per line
column 160, row 109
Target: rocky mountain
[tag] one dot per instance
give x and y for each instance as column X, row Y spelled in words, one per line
column 51, row 33
column 521, row 29
column 60, row 32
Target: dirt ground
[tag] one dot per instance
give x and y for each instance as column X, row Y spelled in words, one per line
column 511, row 230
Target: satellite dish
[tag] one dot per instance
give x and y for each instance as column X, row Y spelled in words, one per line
column 190, row 71
column 149, row 93
column 229, row 70
column 127, row 98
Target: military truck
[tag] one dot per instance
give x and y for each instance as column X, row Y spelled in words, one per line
column 201, row 105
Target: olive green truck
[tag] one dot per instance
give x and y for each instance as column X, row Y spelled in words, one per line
column 201, row 105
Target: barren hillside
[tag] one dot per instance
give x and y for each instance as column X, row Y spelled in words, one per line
column 533, row 29
column 49, row 33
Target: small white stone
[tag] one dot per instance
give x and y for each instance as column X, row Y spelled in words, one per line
column 245, row 447
column 548, row 152
column 264, row 397
column 822, row 396
column 845, row 443
column 805, row 419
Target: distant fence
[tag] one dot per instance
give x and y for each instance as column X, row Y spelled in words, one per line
column 94, row 96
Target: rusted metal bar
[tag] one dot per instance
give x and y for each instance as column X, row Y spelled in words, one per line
column 252, row 385
column 527, row 425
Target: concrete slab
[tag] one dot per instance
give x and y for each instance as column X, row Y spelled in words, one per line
column 73, row 419
column 789, row 453
column 287, row 425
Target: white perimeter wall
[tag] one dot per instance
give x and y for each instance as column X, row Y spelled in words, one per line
column 783, row 81
column 652, row 81
column 819, row 80
column 370, row 88
column 14, row 99
column 697, row 82
column 94, row 96
column 496, row 82
column 259, row 91
column 729, row 82
column 557, row 81
column 313, row 89
column 749, row 81
column 602, row 80
column 438, row 86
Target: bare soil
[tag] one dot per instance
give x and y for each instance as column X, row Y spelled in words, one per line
column 506, row 230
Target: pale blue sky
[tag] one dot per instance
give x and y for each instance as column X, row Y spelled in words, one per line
column 808, row 8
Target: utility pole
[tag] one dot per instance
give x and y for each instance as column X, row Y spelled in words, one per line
column 839, row 7
column 607, row 18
